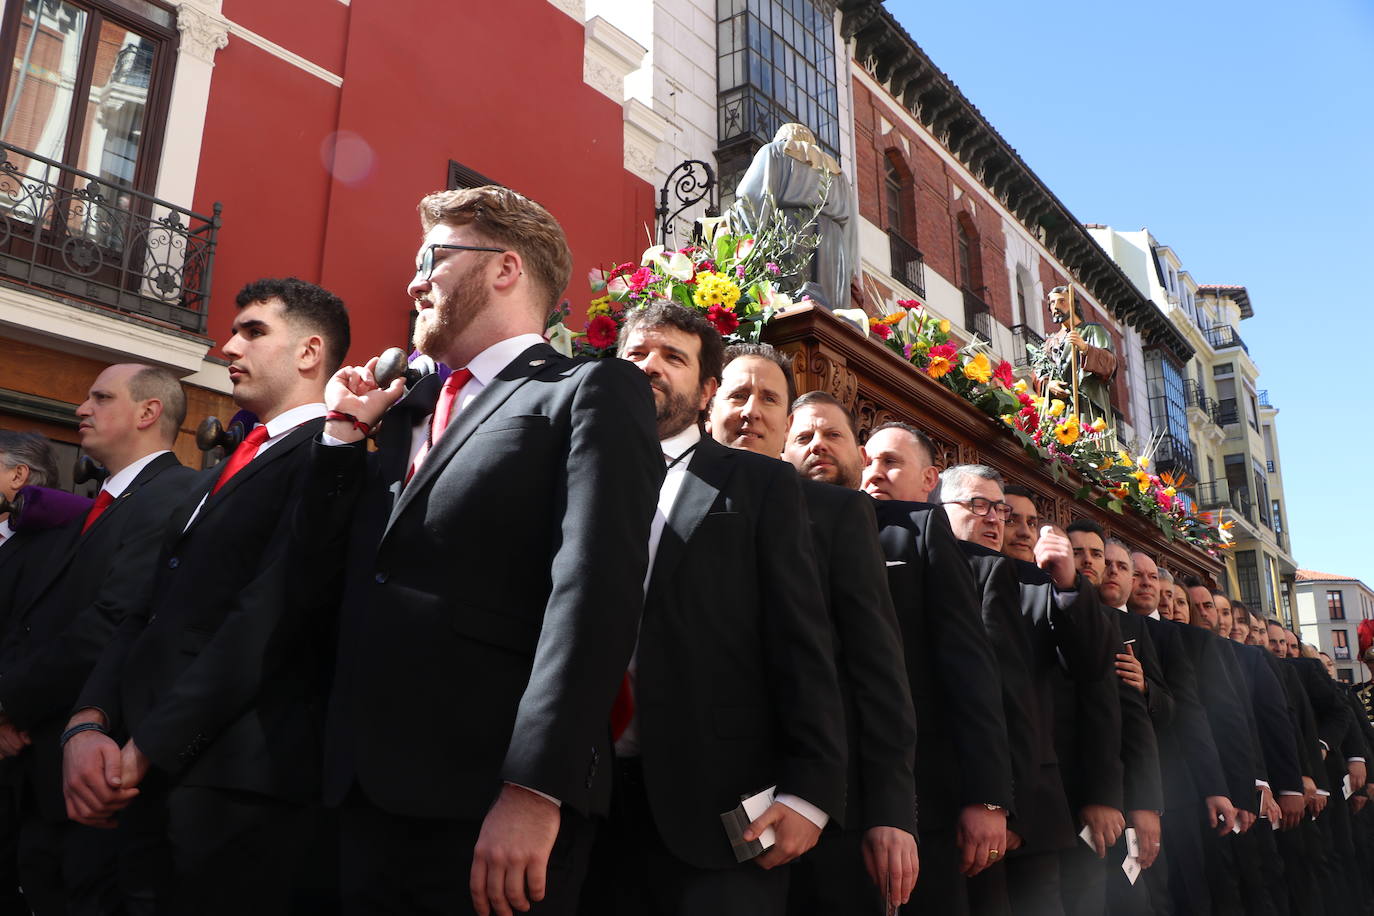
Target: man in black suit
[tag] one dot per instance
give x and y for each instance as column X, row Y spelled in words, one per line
column 85, row 578
column 873, row 852
column 1195, row 790
column 963, row 761
column 732, row 688
column 492, row 556
column 219, row 685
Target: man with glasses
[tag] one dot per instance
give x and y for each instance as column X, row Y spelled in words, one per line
column 491, row 557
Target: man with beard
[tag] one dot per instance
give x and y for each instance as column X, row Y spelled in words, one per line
column 963, row 766
column 732, row 687
column 874, row 854
column 491, row 555
column 216, row 686
column 1195, row 790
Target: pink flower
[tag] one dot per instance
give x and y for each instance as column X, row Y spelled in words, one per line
column 641, row 278
column 773, row 268
column 884, row 331
column 944, row 351
column 1003, row 374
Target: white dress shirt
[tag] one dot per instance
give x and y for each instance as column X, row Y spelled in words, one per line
column 116, row 484
column 277, row 429
column 6, row 531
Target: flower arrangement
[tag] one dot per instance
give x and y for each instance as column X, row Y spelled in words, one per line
column 1046, row 427
column 739, row 280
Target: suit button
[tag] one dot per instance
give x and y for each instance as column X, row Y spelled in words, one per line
column 381, row 578
column 173, row 563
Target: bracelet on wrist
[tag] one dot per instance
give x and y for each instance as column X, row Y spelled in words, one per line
column 359, row 425
column 82, row 727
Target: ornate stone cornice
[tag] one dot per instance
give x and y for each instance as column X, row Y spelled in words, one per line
column 884, row 48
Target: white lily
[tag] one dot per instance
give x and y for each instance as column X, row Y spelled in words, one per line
column 560, row 338
column 710, row 225
column 856, row 317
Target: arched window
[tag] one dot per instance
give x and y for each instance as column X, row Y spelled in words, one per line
column 965, row 257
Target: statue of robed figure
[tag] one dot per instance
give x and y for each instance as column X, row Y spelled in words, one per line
column 1076, row 364
column 793, row 176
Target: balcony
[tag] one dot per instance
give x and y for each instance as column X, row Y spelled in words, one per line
column 1222, row 336
column 1264, row 398
column 908, row 267
column 1175, row 456
column 1226, row 412
column 1218, row 494
column 1022, row 334
column 79, row 236
column 977, row 317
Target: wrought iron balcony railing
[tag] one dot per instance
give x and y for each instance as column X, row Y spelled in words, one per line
column 1022, row 334
column 977, row 316
column 908, row 266
column 1221, row 336
column 75, row 234
column 1264, row 398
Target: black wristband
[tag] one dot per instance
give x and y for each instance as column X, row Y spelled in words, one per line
column 83, row 727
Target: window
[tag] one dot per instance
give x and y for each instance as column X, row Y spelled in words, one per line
column 85, row 81
column 965, row 257
column 1247, row 575
column 1169, row 413
column 1335, row 605
column 892, row 187
column 1340, row 644
column 1221, row 369
column 775, row 64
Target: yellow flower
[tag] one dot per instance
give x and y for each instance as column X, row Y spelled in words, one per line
column 944, row 325
column 600, row 306
column 978, row 369
column 1099, row 425
column 1142, row 480
column 1170, row 491
column 1106, row 463
column 1008, row 419
column 893, row 318
column 1056, row 408
column 1020, row 386
column 1067, row 432
column 1143, row 462
column 939, row 366
column 1123, row 457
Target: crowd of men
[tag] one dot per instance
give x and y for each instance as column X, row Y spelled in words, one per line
column 647, row 635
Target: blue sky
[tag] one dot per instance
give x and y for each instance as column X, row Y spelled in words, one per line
column 1242, row 135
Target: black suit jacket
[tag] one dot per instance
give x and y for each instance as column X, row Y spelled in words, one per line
column 1088, row 720
column 1274, row 719
column 879, row 718
column 963, row 756
column 1189, row 764
column 490, row 605
column 1224, row 701
column 736, row 687
column 221, row 685
column 1141, row 788
column 77, row 599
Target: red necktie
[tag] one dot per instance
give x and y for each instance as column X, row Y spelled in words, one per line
column 242, row 455
column 102, row 502
column 623, row 709
column 443, row 412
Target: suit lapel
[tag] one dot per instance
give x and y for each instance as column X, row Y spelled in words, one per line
column 708, row 470
column 297, row 437
column 532, row 362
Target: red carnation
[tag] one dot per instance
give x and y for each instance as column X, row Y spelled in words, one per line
column 602, row 331
column 1003, row 374
column 884, row 331
column 724, row 320
column 946, row 351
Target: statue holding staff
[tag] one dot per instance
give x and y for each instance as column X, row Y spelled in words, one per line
column 1077, row 363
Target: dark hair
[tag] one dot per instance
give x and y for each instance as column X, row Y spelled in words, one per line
column 812, row 398
column 770, row 353
column 309, row 306
column 1015, row 489
column 1077, row 306
column 664, row 314
column 1088, row 525
column 1193, row 582
column 921, row 438
column 155, row 382
column 33, row 452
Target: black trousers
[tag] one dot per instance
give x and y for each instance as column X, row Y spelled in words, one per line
column 1183, row 863
column 11, row 900
column 1082, row 881
column 1033, row 884
column 394, row 863
column 832, row 879
column 634, row 874
column 67, row 869
column 197, row 851
column 1219, row 860
column 940, row 888
column 1123, row 897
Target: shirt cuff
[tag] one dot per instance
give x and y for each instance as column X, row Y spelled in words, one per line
column 1325, row 746
column 1287, row 792
column 1354, row 760
column 542, row 795
column 1063, row 600
column 1260, row 783
column 805, row 809
column 1323, row 793
column 327, row 439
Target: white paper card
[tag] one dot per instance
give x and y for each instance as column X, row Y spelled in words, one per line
column 1131, row 864
column 1345, row 786
column 1086, row 835
column 754, row 806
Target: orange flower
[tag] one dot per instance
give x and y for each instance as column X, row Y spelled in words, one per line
column 939, row 366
